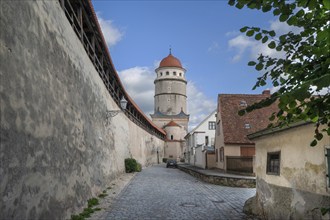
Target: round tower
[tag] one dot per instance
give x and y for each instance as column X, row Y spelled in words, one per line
column 170, row 87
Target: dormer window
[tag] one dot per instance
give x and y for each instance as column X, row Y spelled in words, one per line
column 247, row 126
column 243, row 103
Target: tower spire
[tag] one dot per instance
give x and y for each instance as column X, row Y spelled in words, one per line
column 170, row 50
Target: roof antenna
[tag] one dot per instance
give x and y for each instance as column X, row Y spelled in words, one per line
column 170, row 50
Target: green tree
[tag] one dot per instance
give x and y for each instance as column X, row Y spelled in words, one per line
column 304, row 70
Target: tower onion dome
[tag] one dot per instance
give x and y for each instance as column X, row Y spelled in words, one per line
column 170, row 61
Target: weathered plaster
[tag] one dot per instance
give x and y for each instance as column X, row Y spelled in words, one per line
column 300, row 190
column 57, row 150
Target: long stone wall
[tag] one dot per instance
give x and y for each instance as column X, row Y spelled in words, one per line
column 57, row 148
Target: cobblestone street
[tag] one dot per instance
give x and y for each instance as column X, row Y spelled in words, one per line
column 165, row 193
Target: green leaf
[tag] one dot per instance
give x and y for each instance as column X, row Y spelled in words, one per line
column 313, row 143
column 318, row 136
column 266, row 8
column 278, row 48
column 272, row 45
column 231, row 2
column 292, row 20
column 243, row 29
column 284, row 17
column 277, row 12
column 283, row 38
column 260, row 66
column 239, row 5
column 322, row 35
column 272, row 33
column 251, row 63
column 301, row 12
column 250, row 33
column 326, row 4
column 241, row 112
column 258, row 36
column 264, row 39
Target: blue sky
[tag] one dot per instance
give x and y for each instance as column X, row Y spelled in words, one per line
column 204, row 35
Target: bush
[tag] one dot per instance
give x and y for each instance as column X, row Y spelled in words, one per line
column 132, row 166
column 164, row 160
column 139, row 167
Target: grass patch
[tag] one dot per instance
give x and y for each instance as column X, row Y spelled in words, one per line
column 87, row 211
column 102, row 195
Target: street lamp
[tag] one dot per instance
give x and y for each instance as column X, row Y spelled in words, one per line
column 112, row 113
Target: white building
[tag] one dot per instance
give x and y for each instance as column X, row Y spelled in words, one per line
column 200, row 143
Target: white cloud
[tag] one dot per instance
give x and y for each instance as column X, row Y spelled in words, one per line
column 199, row 106
column 111, row 33
column 240, row 43
column 139, row 83
column 248, row 46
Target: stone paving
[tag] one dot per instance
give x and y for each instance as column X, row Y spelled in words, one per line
column 166, row 193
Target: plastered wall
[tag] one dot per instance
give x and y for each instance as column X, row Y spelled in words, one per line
column 57, row 149
column 301, row 189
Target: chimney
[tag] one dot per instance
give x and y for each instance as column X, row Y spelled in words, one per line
column 266, row 92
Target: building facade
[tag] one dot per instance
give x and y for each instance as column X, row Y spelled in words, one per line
column 200, row 143
column 170, row 105
column 293, row 178
column 234, row 151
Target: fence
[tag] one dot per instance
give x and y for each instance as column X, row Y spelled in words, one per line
column 240, row 164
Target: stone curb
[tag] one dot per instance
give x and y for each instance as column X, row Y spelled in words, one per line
column 220, row 180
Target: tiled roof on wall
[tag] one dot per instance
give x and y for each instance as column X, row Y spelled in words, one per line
column 235, row 127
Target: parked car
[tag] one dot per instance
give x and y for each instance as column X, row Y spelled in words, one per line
column 171, row 163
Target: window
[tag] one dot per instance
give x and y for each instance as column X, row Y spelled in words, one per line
column 211, row 125
column 273, row 163
column 171, row 137
column 243, row 103
column 161, row 73
column 206, row 140
column 222, row 154
column 174, row 73
column 167, row 73
column 247, row 126
column 180, row 74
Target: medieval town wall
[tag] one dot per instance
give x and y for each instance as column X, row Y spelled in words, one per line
column 57, row 148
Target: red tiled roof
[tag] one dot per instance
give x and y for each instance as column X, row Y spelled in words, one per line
column 116, row 74
column 172, row 124
column 234, row 130
column 170, row 61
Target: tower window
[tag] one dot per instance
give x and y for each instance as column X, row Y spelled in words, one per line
column 161, row 73
column 180, row 74
column 171, row 137
column 167, row 73
column 174, row 73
